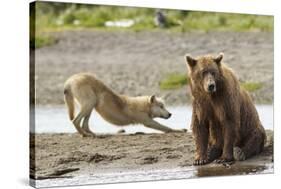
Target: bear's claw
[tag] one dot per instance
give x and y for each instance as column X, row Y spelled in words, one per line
column 200, row 162
column 224, row 160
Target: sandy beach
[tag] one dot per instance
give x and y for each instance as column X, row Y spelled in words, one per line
column 70, row 155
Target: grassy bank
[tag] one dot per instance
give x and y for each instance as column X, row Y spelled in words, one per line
column 173, row 81
column 51, row 16
column 61, row 16
column 178, row 80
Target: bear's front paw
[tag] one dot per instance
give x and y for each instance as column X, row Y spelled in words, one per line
column 200, row 161
column 238, row 154
column 213, row 153
column 224, row 160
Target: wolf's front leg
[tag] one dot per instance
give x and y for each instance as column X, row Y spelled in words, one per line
column 201, row 135
column 155, row 125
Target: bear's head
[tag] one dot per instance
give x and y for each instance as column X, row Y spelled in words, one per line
column 205, row 72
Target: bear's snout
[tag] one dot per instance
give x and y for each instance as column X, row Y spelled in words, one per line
column 211, row 88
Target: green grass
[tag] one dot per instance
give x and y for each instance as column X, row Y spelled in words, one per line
column 227, row 22
column 178, row 80
column 173, row 81
column 54, row 16
column 251, row 86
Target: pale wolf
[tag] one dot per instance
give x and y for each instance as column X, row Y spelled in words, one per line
column 117, row 109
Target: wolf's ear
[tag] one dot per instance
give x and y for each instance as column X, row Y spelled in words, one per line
column 190, row 61
column 218, row 59
column 152, row 99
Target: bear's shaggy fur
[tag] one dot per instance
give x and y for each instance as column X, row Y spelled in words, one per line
column 225, row 122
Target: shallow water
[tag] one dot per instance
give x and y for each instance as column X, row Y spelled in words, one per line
column 55, row 120
column 154, row 175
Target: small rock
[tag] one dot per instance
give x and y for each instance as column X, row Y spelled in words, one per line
column 149, row 160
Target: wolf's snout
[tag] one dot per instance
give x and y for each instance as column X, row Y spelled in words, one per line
column 167, row 116
column 212, row 88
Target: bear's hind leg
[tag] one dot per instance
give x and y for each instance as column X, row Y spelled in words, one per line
column 238, row 154
column 252, row 146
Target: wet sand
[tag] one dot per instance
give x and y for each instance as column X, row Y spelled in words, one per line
column 61, row 156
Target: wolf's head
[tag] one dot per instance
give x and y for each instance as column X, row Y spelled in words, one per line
column 157, row 108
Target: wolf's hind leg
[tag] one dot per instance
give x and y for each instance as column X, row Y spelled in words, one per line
column 85, row 125
column 86, row 111
column 76, row 122
column 87, row 100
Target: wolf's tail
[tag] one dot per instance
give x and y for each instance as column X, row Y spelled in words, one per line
column 69, row 101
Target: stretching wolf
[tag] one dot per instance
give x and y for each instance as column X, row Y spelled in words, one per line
column 117, row 109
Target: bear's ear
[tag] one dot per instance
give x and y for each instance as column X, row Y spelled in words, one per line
column 219, row 58
column 190, row 61
column 152, row 99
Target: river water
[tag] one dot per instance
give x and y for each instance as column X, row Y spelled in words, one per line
column 155, row 175
column 55, row 120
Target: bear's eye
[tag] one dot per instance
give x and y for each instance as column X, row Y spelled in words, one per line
column 204, row 72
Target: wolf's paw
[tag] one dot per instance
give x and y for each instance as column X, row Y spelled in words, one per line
column 88, row 135
column 121, row 131
column 184, row 130
column 238, row 154
column 179, row 131
column 170, row 131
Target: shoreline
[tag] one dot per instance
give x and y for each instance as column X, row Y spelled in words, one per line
column 69, row 155
column 210, row 170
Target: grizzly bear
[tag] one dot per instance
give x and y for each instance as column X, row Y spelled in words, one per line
column 225, row 123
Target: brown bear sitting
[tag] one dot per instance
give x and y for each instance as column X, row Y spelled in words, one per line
column 225, row 123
